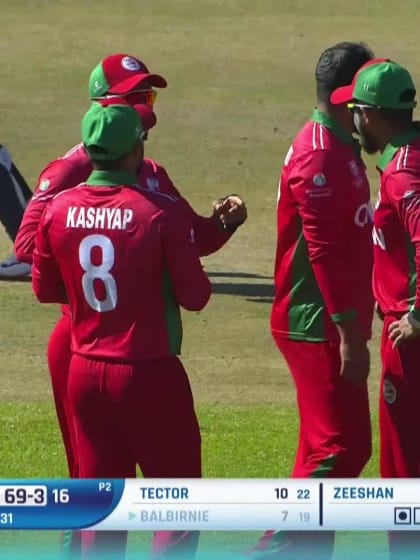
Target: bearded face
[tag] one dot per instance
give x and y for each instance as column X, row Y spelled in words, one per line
column 361, row 126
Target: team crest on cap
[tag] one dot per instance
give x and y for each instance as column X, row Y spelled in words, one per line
column 319, row 180
column 130, row 64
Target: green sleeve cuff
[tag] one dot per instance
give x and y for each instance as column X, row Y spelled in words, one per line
column 344, row 316
column 415, row 313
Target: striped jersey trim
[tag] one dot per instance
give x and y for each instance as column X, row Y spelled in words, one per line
column 318, row 130
column 402, row 157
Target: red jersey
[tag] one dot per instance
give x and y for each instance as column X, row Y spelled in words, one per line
column 324, row 245
column 124, row 258
column 74, row 168
column 397, row 226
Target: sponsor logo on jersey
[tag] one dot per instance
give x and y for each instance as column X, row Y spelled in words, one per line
column 130, row 64
column 44, row 185
column 364, row 215
column 356, row 172
column 152, row 183
column 319, row 180
column 378, row 238
column 389, row 392
column 354, row 168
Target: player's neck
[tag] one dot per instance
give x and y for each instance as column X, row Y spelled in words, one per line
column 338, row 113
column 390, row 134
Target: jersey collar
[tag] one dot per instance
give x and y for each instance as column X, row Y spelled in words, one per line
column 322, row 118
column 396, row 143
column 111, row 178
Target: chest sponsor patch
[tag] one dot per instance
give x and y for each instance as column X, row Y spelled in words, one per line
column 354, row 168
column 319, row 180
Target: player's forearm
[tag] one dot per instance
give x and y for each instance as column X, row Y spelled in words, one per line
column 210, row 236
column 334, row 280
column 192, row 289
column 47, row 283
column 47, row 292
column 25, row 238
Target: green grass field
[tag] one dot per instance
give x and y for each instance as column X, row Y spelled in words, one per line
column 240, row 76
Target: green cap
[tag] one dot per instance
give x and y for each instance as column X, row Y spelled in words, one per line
column 381, row 83
column 386, row 85
column 109, row 132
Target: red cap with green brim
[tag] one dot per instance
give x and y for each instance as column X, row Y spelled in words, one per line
column 119, row 74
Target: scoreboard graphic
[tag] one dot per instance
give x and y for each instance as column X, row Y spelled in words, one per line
column 212, row 504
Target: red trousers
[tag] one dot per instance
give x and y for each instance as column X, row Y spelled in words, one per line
column 59, row 356
column 334, row 436
column 135, row 414
column 399, row 423
column 335, row 432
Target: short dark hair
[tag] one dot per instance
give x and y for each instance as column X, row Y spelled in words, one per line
column 337, row 66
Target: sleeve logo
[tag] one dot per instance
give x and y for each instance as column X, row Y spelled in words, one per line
column 152, row 183
column 43, row 186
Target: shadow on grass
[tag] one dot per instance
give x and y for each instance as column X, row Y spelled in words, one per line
column 237, row 275
column 259, row 292
column 265, row 291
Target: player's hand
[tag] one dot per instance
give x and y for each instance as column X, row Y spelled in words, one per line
column 354, row 353
column 231, row 211
column 402, row 330
column 355, row 362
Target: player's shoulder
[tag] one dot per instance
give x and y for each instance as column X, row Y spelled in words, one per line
column 316, row 137
column 315, row 145
column 153, row 197
column 406, row 159
column 154, row 177
column 62, row 173
column 313, row 149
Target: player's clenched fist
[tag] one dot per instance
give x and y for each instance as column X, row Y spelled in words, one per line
column 231, row 211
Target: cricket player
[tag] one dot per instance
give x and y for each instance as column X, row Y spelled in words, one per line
column 14, row 196
column 323, row 306
column 124, row 258
column 126, row 76
column 382, row 99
